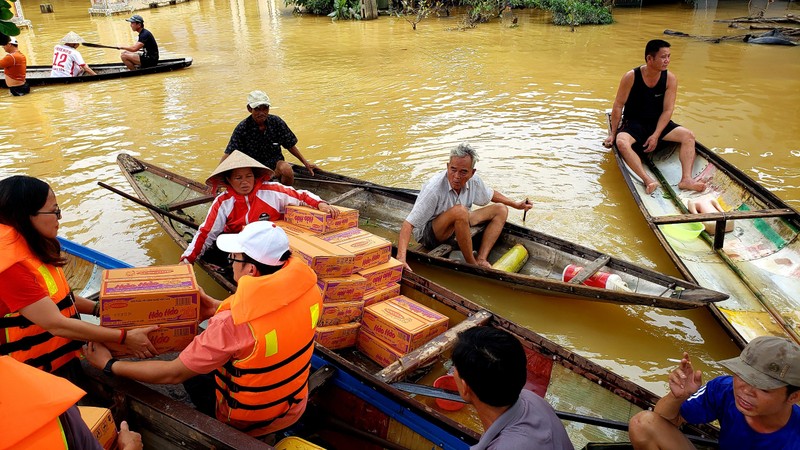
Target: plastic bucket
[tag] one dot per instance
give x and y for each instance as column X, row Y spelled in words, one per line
column 597, row 280
column 447, row 382
column 683, row 231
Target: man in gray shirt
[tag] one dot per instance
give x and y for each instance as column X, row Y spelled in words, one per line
column 490, row 373
column 443, row 209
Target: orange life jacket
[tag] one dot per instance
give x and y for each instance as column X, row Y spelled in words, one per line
column 21, row 338
column 281, row 311
column 31, row 402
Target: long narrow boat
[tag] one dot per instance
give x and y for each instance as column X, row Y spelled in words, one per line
column 178, row 204
column 757, row 264
column 40, row 75
column 360, row 405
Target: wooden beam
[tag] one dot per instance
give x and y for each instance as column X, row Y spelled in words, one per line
column 731, row 215
column 441, row 251
column 191, row 202
column 432, row 349
column 590, row 270
column 345, row 195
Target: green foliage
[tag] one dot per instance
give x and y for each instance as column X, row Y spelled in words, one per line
column 345, row 9
column 7, row 28
column 576, row 12
column 318, row 7
column 484, row 10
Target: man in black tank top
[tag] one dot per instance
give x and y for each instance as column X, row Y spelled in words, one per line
column 647, row 94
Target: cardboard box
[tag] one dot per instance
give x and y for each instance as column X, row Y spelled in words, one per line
column 340, row 312
column 149, row 295
column 378, row 295
column 338, row 336
column 383, row 275
column 101, row 422
column 377, row 350
column 341, row 289
column 169, row 337
column 326, row 259
column 319, row 222
column 403, row 323
column 293, row 230
column 369, row 250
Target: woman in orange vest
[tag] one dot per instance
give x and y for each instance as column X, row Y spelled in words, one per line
column 39, row 412
column 39, row 321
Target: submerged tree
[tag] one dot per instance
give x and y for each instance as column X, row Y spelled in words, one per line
column 415, row 10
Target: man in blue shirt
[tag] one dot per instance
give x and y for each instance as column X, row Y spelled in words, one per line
column 756, row 407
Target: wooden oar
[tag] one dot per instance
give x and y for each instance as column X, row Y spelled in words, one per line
column 151, row 207
column 89, row 44
column 446, row 394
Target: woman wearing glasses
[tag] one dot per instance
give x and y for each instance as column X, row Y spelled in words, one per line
column 39, row 321
column 249, row 196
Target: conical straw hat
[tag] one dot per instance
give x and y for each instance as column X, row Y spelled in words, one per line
column 237, row 160
column 72, row 38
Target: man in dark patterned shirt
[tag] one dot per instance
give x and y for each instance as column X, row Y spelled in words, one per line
column 261, row 136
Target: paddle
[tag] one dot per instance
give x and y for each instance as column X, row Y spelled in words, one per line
column 446, row 394
column 89, row 44
column 364, row 185
column 151, row 207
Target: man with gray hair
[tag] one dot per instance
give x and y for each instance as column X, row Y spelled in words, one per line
column 443, row 208
column 756, row 407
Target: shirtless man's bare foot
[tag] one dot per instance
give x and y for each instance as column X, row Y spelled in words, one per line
column 691, row 185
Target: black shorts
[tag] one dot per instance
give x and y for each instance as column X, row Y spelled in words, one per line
column 640, row 132
column 146, row 61
column 19, row 91
column 429, row 240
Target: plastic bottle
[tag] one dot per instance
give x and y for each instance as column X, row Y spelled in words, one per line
column 603, row 280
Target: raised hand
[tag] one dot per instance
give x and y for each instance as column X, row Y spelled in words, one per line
column 684, row 381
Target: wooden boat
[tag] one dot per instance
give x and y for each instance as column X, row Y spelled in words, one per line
column 179, row 203
column 40, row 75
column 359, row 404
column 757, row 264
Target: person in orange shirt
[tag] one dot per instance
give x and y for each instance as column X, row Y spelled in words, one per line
column 14, row 67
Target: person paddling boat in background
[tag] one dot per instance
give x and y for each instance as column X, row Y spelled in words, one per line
column 39, row 321
column 443, row 207
column 146, row 44
column 15, row 67
column 249, row 197
column 647, row 94
column 67, row 60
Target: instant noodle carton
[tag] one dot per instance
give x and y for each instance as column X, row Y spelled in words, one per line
column 377, row 350
column 338, row 336
column 101, row 422
column 378, row 295
column 169, row 337
column 320, row 222
column 369, row 250
column 293, row 230
column 342, row 289
column 341, row 312
column 403, row 323
column 326, row 259
column 149, row 296
column 383, row 275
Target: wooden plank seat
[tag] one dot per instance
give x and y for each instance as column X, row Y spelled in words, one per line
column 590, row 270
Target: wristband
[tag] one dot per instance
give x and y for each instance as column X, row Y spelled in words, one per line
column 123, row 335
column 96, row 309
column 107, row 368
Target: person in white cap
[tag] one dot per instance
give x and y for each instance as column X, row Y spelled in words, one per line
column 258, row 343
column 146, row 44
column 261, row 136
column 756, row 407
column 249, row 196
column 67, row 60
column 15, row 67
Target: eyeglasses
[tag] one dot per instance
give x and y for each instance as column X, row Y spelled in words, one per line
column 231, row 260
column 57, row 213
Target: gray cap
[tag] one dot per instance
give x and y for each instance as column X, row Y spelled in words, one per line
column 257, row 98
column 768, row 362
column 135, row 18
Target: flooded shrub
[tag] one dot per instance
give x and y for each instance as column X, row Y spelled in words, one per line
column 577, row 12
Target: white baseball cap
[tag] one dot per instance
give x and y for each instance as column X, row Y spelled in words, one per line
column 263, row 241
column 257, row 98
column 13, row 41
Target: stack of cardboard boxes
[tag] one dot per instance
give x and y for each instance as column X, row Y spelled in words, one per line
column 356, row 274
column 167, row 296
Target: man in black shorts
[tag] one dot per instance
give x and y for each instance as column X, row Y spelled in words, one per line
column 146, row 43
column 647, row 94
